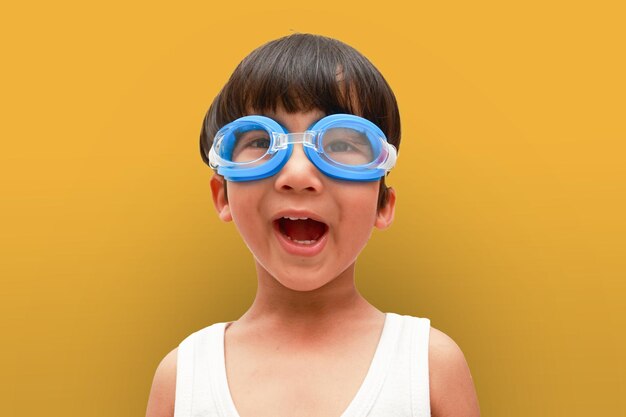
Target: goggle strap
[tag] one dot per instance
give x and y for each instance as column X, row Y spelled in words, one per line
column 390, row 160
column 214, row 160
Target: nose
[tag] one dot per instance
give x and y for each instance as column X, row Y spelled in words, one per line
column 299, row 174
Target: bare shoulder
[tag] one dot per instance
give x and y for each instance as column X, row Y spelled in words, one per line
column 163, row 391
column 452, row 391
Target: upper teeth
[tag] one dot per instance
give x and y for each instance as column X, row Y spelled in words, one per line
column 295, row 218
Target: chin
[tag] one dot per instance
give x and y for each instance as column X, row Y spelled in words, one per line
column 301, row 283
column 303, row 278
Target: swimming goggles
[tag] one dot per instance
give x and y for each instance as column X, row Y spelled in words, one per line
column 342, row 146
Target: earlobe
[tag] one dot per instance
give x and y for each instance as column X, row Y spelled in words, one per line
column 218, row 191
column 385, row 214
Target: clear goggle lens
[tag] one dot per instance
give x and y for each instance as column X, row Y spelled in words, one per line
column 249, row 145
column 342, row 145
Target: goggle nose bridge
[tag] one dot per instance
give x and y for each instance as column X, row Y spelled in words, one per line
column 283, row 140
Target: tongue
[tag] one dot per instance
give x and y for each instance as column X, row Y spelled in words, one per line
column 303, row 229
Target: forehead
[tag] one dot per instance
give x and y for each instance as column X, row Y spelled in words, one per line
column 294, row 121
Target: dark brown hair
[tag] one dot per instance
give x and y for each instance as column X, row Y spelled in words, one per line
column 303, row 72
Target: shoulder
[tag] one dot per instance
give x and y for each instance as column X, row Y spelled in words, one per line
column 452, row 391
column 163, row 391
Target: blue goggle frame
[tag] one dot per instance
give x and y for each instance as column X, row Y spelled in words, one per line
column 281, row 147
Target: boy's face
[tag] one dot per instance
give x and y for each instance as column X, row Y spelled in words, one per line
column 303, row 228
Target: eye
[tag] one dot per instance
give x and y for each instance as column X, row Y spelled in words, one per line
column 339, row 146
column 263, row 143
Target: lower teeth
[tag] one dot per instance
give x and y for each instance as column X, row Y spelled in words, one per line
column 303, row 242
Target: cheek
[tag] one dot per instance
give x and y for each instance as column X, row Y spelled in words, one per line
column 244, row 202
column 366, row 198
column 359, row 208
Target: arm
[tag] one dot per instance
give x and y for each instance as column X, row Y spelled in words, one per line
column 452, row 392
column 163, row 392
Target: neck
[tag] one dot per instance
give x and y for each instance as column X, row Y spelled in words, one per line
column 333, row 304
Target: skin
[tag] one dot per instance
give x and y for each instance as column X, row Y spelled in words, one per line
column 320, row 325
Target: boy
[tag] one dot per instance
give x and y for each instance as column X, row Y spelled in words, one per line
column 301, row 138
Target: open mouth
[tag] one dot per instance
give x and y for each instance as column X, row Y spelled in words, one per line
column 301, row 230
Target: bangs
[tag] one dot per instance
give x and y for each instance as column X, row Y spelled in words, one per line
column 304, row 72
column 300, row 76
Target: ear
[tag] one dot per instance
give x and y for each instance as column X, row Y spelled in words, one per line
column 385, row 214
column 220, row 201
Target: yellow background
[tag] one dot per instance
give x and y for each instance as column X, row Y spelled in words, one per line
column 510, row 230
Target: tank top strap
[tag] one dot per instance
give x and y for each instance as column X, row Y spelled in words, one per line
column 398, row 381
column 420, row 381
column 200, row 373
column 367, row 395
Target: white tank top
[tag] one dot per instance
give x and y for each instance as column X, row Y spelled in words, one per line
column 396, row 383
